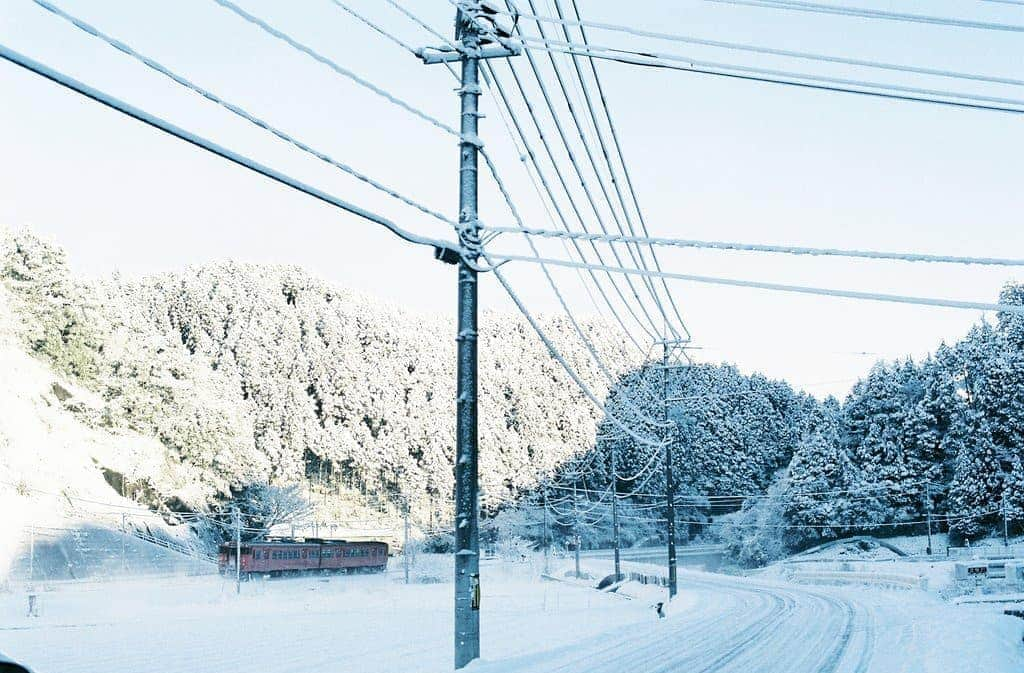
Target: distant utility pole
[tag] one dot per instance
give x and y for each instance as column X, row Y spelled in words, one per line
column 670, row 349
column 31, row 553
column 928, row 504
column 1006, row 525
column 124, row 534
column 405, row 542
column 576, row 526
column 547, row 538
column 238, row 549
column 615, row 505
column 475, row 24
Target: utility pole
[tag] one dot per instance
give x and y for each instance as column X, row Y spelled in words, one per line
column 31, row 553
column 124, row 533
column 670, row 487
column 405, row 542
column 1006, row 526
column 547, row 539
column 238, row 549
column 615, row 511
column 474, row 46
column 576, row 527
column 928, row 504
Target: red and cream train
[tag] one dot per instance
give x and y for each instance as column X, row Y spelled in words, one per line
column 311, row 555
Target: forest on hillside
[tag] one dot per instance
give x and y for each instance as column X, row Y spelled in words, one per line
column 943, row 437
column 251, row 376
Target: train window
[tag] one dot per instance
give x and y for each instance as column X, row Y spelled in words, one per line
column 303, row 553
column 266, row 554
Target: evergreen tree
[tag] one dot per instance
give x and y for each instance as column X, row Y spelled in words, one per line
column 976, row 490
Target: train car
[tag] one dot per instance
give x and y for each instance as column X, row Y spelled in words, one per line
column 276, row 557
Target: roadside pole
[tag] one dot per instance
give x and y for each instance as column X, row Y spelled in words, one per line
column 1006, row 525
column 31, row 553
column 405, row 542
column 472, row 47
column 615, row 512
column 928, row 503
column 238, row 549
column 547, row 538
column 124, row 533
column 670, row 487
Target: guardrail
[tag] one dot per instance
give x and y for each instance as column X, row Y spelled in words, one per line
column 986, row 552
column 642, row 578
column 852, row 577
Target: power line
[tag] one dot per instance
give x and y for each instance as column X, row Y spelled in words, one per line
column 738, row 46
column 557, row 356
column 334, row 65
column 757, row 247
column 867, row 13
column 611, row 169
column 594, row 167
column 626, row 173
column 236, row 110
column 799, row 80
column 579, row 172
column 208, row 145
column 376, row 27
column 531, row 155
column 779, row 287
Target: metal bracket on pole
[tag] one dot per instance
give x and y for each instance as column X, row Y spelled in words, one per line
column 434, row 55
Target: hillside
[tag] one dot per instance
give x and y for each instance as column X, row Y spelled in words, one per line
column 202, row 382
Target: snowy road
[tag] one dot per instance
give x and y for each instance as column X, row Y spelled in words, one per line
column 724, row 624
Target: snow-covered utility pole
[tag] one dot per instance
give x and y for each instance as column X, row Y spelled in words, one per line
column 547, row 538
column 31, row 553
column 1006, row 526
column 405, row 541
column 238, row 549
column 670, row 487
column 674, row 350
column 124, row 533
column 576, row 526
column 928, row 504
column 615, row 510
column 482, row 32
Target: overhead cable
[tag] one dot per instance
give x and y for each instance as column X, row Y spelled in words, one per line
column 237, row 111
column 375, row 27
column 632, row 250
column 797, row 79
column 558, row 357
column 500, row 89
column 779, row 287
column 625, row 172
column 739, row 46
column 758, row 247
column 208, row 145
column 822, row 58
column 867, row 13
column 567, row 146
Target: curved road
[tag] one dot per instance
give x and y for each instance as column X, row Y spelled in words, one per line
column 725, row 624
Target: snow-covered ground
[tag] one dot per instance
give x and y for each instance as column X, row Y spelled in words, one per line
column 359, row 622
column 376, row 622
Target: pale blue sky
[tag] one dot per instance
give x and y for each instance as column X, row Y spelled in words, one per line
column 711, row 158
